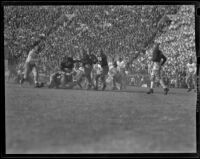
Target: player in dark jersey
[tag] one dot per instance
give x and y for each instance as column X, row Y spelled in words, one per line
column 87, row 62
column 104, row 65
column 158, row 60
column 67, row 64
column 65, row 73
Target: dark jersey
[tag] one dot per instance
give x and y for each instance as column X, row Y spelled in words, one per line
column 158, row 56
column 86, row 60
column 69, row 63
column 103, row 61
column 93, row 59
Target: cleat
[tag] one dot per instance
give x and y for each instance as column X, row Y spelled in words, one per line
column 150, row 91
column 41, row 84
column 189, row 89
column 166, row 90
column 104, row 87
column 37, row 85
column 114, row 88
column 89, row 87
column 21, row 81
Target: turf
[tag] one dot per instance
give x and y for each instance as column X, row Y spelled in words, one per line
column 79, row 121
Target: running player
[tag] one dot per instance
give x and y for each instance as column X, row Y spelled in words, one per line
column 31, row 63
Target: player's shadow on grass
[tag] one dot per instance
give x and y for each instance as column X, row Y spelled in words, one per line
column 130, row 90
column 138, row 90
column 113, row 91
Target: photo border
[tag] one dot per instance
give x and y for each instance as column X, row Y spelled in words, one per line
column 107, row 155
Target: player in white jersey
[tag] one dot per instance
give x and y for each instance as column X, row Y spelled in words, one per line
column 121, row 64
column 115, row 76
column 31, row 64
column 110, row 65
column 191, row 74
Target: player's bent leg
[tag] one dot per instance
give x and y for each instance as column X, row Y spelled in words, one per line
column 52, row 81
column 194, row 80
column 188, row 83
column 166, row 90
column 104, row 82
column 152, row 79
column 88, row 70
column 80, row 80
column 89, row 81
column 9, row 76
column 63, row 81
column 97, row 81
column 104, row 74
column 114, row 83
column 35, row 75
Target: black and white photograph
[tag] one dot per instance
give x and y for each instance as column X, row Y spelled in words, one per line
column 100, row 79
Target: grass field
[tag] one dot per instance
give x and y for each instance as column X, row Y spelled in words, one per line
column 80, row 121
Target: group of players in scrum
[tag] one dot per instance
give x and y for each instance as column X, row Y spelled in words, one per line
column 96, row 68
column 74, row 71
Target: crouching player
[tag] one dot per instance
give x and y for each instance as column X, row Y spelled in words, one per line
column 158, row 60
column 65, row 75
column 191, row 74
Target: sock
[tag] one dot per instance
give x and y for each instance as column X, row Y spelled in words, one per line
column 162, row 84
column 22, row 80
column 194, row 83
column 152, row 83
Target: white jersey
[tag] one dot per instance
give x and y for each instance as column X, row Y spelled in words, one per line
column 113, row 71
column 78, row 73
column 82, row 69
column 191, row 67
column 149, row 67
column 121, row 64
column 110, row 65
column 32, row 57
column 97, row 68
